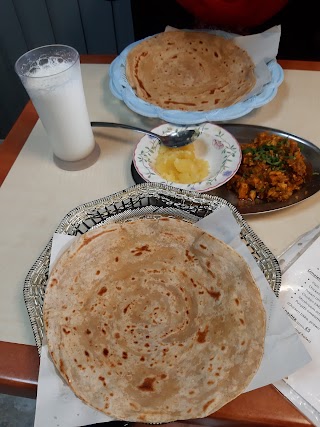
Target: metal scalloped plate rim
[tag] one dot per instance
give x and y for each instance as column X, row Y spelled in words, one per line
column 121, row 89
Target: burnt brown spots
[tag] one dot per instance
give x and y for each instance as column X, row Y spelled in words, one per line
column 124, row 355
column 116, row 259
column 87, row 240
column 126, row 308
column 202, row 335
column 147, row 345
column 205, row 407
column 138, row 251
column 103, row 331
column 190, row 104
column 88, row 332
column 102, row 291
column 241, row 321
column 117, row 335
column 67, row 318
column 203, row 102
column 212, row 91
column 105, row 352
column 133, row 405
column 53, row 282
column 147, row 384
column 243, row 343
column 193, row 282
column 164, row 219
column 217, row 374
column 211, row 273
column 142, row 358
column 66, row 331
column 237, row 301
column 102, row 379
column 163, row 376
column 97, row 272
column 174, row 56
column 223, row 347
column 189, row 256
column 210, row 382
column 216, row 101
column 86, row 353
column 191, row 392
column 215, row 295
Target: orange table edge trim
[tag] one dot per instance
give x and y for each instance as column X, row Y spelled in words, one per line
column 19, row 363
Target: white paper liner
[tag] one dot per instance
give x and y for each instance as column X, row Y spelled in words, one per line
column 57, row 406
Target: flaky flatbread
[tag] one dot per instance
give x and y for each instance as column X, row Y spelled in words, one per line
column 154, row 320
column 190, row 71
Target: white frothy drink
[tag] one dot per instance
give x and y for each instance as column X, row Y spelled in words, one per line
column 55, row 86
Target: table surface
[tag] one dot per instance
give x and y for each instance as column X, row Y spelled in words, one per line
column 35, row 195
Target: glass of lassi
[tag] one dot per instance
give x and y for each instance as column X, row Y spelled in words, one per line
column 52, row 78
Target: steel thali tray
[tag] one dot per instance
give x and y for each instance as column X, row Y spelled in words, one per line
column 246, row 133
column 142, row 200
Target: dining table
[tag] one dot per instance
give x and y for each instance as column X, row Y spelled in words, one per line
column 35, row 195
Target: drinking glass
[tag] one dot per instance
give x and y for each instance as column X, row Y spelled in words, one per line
column 52, row 77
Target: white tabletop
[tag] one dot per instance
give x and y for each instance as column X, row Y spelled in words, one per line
column 36, row 194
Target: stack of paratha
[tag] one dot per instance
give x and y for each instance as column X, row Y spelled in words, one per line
column 190, row 71
column 154, row 320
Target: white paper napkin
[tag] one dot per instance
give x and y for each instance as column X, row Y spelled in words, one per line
column 57, row 406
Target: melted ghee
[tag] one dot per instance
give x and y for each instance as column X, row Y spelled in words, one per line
column 181, row 165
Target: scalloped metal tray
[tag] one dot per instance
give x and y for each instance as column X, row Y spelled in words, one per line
column 140, row 200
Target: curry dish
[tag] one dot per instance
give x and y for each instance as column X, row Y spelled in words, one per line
column 272, row 169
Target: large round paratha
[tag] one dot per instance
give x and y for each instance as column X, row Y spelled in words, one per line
column 190, row 71
column 154, row 320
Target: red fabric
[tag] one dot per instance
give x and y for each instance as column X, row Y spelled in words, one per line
column 233, row 13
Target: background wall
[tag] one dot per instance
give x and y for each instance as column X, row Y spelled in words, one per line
column 107, row 26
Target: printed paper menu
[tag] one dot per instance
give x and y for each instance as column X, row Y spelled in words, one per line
column 300, row 298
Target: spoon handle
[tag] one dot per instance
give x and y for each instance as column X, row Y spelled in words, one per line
column 120, row 125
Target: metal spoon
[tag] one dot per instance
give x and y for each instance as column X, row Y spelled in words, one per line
column 178, row 138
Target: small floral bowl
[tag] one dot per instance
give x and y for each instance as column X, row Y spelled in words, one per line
column 214, row 144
